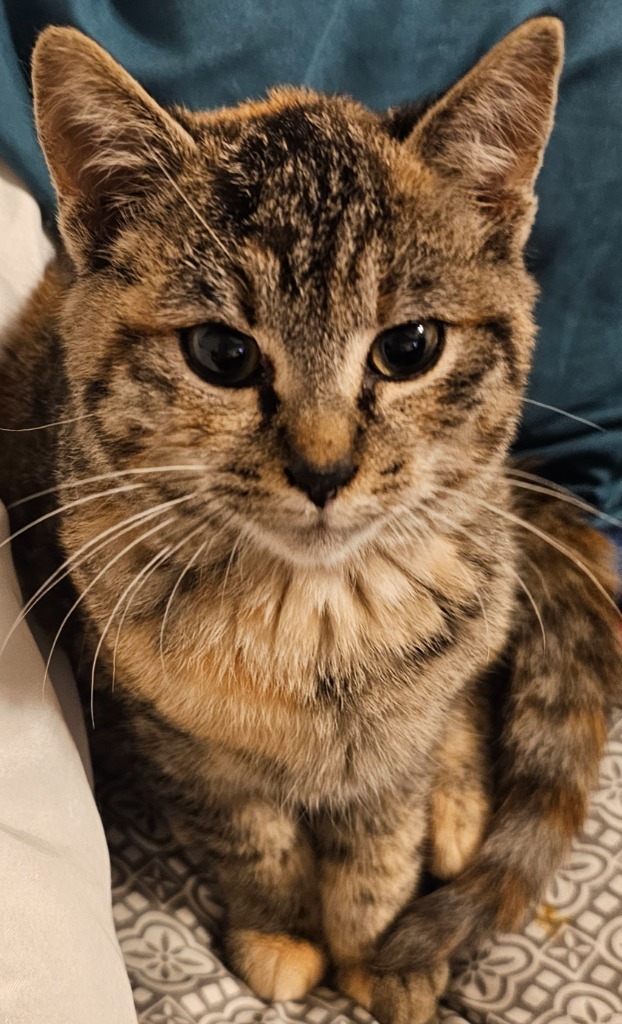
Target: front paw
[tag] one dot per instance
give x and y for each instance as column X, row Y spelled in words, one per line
column 457, row 823
column 396, row 998
column 275, row 965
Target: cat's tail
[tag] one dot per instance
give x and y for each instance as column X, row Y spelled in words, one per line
column 565, row 677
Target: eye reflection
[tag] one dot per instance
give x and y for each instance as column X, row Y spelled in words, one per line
column 221, row 355
column 407, row 350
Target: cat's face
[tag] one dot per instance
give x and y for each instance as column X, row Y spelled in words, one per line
column 325, row 310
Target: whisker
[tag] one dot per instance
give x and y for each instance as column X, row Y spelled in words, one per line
column 206, row 546
column 107, row 476
column 87, row 550
column 46, row 426
column 478, row 596
column 144, row 573
column 178, row 582
column 564, row 412
column 170, row 552
column 210, row 230
column 67, row 507
column 228, row 569
column 556, row 491
column 546, row 537
column 538, row 571
column 96, row 578
column 533, row 604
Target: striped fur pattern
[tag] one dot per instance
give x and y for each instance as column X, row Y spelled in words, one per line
column 310, row 686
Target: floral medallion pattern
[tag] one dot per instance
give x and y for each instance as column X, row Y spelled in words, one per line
column 564, row 968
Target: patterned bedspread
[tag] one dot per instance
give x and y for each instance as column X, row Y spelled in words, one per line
column 564, row 968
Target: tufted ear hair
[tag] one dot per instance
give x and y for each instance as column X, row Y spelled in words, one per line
column 488, row 133
column 106, row 141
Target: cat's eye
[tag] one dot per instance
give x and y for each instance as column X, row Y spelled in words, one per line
column 403, row 352
column 221, row 355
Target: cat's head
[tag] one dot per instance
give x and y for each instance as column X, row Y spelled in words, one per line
column 323, row 308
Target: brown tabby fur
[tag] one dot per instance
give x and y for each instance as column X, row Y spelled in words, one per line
column 315, row 706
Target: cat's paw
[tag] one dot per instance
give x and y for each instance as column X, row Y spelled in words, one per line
column 457, row 823
column 356, row 982
column 396, row 998
column 276, row 966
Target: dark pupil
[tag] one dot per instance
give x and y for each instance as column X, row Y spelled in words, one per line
column 222, row 353
column 403, row 349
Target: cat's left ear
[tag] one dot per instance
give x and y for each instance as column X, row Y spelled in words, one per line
column 106, row 141
column 488, row 133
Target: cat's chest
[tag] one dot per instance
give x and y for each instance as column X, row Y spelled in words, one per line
column 346, row 740
column 334, row 686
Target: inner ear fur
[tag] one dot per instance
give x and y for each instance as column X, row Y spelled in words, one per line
column 106, row 141
column 488, row 133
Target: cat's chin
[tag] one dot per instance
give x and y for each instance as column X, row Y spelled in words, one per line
column 316, row 545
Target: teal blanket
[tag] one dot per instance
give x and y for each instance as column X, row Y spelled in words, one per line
column 206, row 53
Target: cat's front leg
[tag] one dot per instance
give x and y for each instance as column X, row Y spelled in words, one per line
column 267, row 872
column 461, row 792
column 370, row 866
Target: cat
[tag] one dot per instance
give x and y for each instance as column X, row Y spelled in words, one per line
column 282, row 353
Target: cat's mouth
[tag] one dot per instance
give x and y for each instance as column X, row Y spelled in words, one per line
column 326, row 540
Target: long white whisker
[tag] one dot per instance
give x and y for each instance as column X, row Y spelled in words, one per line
column 523, row 524
column 45, row 426
column 143, row 575
column 171, row 597
column 152, row 564
column 543, row 535
column 207, row 545
column 98, row 576
column 533, row 604
column 67, row 507
column 228, row 569
column 463, row 529
column 538, row 571
column 210, row 230
column 108, row 476
column 564, row 412
column 171, row 551
column 78, row 557
column 562, row 495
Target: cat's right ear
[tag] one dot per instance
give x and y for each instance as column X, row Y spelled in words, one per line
column 106, row 141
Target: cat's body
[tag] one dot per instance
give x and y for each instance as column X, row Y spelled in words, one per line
column 302, row 577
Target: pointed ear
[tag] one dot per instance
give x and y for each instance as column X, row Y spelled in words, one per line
column 488, row 133
column 106, row 141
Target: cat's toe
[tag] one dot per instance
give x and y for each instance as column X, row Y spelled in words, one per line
column 458, row 820
column 396, row 998
column 356, row 982
column 276, row 966
column 408, row 998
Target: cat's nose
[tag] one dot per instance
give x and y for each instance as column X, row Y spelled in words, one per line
column 319, row 483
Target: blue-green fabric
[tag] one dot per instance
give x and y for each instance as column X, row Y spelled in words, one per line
column 206, row 53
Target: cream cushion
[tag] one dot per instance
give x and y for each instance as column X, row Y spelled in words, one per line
column 60, row 962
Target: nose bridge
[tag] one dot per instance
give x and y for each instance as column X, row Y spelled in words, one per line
column 321, row 432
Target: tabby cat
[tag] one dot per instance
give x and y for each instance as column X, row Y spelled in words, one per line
column 283, row 351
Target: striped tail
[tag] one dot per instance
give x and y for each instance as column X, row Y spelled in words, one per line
column 553, row 732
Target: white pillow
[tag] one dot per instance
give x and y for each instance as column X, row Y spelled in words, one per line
column 60, row 962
